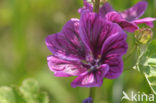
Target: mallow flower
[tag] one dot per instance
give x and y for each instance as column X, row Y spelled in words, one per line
column 128, row 19
column 90, row 48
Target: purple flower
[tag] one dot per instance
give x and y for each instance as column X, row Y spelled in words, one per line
column 90, row 48
column 88, row 100
column 127, row 19
column 87, row 7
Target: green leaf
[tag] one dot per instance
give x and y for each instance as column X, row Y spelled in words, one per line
column 7, row 95
column 151, row 62
column 150, row 65
column 28, row 92
column 19, row 98
column 152, row 48
column 43, row 97
column 147, row 65
column 151, row 78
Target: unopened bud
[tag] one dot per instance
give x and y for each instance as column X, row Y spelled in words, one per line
column 143, row 35
column 88, row 100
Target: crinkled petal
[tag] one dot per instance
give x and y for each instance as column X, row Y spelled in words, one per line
column 112, row 51
column 91, row 79
column 135, row 12
column 148, row 21
column 67, row 43
column 117, row 18
column 94, row 30
column 87, row 7
column 114, row 16
column 64, row 68
column 88, row 100
column 106, row 8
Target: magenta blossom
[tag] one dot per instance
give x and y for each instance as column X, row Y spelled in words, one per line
column 88, row 100
column 127, row 19
column 90, row 48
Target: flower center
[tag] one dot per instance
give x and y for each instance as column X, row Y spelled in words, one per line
column 92, row 65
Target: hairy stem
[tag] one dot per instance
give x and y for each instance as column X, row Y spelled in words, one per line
column 92, row 93
column 96, row 4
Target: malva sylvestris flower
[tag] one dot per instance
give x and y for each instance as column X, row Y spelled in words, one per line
column 90, row 48
column 128, row 19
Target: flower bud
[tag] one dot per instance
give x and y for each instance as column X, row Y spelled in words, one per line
column 88, row 100
column 143, row 35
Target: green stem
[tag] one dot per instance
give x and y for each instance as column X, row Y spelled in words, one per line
column 96, row 4
column 92, row 93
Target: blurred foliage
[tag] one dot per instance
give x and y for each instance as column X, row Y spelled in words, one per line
column 24, row 24
column 27, row 93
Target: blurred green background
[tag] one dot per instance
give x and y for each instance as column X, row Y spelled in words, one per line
column 24, row 24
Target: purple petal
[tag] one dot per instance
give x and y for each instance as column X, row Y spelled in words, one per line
column 67, row 43
column 88, row 100
column 94, row 31
column 116, row 66
column 91, row 26
column 148, row 21
column 113, row 49
column 135, row 12
column 115, row 44
column 116, row 18
column 87, row 7
column 64, row 68
column 105, row 9
column 92, row 79
column 128, row 26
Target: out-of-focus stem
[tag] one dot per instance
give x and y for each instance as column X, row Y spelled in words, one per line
column 96, row 4
column 92, row 93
